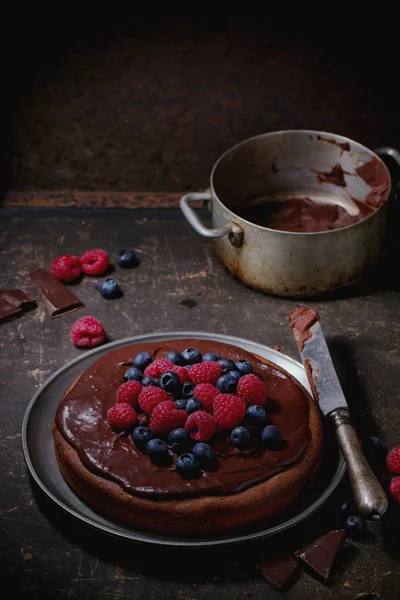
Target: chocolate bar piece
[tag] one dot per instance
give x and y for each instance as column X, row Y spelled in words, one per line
column 277, row 571
column 320, row 555
column 17, row 298
column 8, row 311
column 57, row 298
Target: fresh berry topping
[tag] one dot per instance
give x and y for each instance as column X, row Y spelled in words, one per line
column 244, row 367
column 200, row 425
column 141, row 435
column 166, row 417
column 181, row 404
column 256, row 415
column 170, row 382
column 355, row 524
column 211, row 357
column 187, row 466
column 271, row 437
column 229, row 411
column 127, row 259
column 227, row 365
column 142, row 360
column 240, row 437
column 193, row 404
column 393, row 460
column 129, row 392
column 66, row 268
column 226, row 383
column 374, row 443
column 206, row 393
column 191, row 356
column 236, row 375
column 149, row 381
column 182, row 372
column 251, row 390
column 180, row 440
column 94, row 262
column 87, row 332
column 175, row 357
column 204, row 454
column 157, row 367
column 208, row 372
column 133, row 373
column 158, row 451
column 121, row 416
column 109, row 289
column 187, row 389
column 395, row 488
column 150, row 396
column 347, row 508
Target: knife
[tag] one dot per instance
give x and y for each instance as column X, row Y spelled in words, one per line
column 369, row 496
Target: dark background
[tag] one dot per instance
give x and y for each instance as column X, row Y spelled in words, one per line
column 128, row 102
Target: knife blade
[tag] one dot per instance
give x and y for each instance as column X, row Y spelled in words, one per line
column 369, row 495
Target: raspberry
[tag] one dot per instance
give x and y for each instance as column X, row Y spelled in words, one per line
column 229, row 411
column 87, row 332
column 393, row 460
column 206, row 393
column 182, row 372
column 167, row 417
column 395, row 488
column 157, row 367
column 251, row 390
column 150, row 396
column 94, row 262
column 121, row 416
column 207, row 372
column 129, row 392
column 66, row 267
column 200, row 425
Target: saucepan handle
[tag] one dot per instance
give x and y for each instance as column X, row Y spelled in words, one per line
column 233, row 231
column 395, row 154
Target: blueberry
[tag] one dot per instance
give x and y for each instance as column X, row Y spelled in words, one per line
column 141, row 435
column 193, row 404
column 236, row 375
column 211, row 357
column 127, row 259
column 187, row 466
column 355, row 524
column 181, row 404
column 180, row 440
column 204, row 454
column 157, row 450
column 191, row 356
column 374, row 443
column 176, row 358
column 226, row 383
column 240, row 436
column 187, row 389
column 133, row 373
column 271, row 437
column 227, row 365
column 347, row 507
column 256, row 415
column 170, row 382
column 142, row 360
column 244, row 367
column 150, row 381
column 109, row 289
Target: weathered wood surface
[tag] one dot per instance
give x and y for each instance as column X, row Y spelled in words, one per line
column 46, row 554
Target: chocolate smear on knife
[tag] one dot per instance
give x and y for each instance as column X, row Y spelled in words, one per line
column 278, row 571
column 57, row 298
column 320, row 555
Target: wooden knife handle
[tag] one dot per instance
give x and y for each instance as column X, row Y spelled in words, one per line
column 369, row 496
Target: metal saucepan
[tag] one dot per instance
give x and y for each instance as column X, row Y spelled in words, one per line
column 323, row 167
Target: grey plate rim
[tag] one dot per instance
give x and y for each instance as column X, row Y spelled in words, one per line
column 155, row 539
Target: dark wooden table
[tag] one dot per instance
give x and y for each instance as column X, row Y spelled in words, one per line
column 47, row 554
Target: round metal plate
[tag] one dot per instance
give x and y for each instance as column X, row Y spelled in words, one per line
column 37, row 445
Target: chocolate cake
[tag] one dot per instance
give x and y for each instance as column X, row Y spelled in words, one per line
column 246, row 484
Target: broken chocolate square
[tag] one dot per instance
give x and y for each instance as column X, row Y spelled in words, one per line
column 57, row 298
column 278, row 571
column 320, row 555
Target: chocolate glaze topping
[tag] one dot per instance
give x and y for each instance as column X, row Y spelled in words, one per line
column 81, row 419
